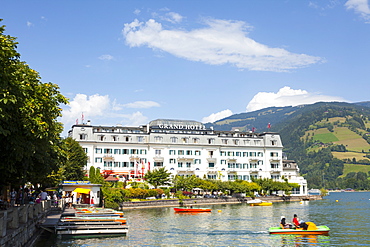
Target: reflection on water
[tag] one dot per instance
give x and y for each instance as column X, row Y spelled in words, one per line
column 346, row 213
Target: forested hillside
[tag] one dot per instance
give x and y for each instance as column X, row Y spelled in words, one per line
column 330, row 141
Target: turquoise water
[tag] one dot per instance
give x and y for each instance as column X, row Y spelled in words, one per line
column 346, row 213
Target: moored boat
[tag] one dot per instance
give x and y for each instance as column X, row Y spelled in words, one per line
column 192, row 210
column 258, row 202
column 312, row 229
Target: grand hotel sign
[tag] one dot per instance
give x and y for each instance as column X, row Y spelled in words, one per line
column 182, row 126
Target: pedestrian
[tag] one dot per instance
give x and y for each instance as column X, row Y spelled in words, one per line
column 92, row 202
column 13, row 197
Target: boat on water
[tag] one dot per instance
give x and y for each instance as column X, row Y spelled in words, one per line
column 258, row 202
column 312, row 229
column 192, row 210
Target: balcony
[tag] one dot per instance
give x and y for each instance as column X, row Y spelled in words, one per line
column 108, row 157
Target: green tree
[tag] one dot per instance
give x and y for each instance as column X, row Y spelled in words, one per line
column 29, row 130
column 158, row 177
column 75, row 160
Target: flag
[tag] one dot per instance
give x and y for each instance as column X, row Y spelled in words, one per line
column 269, row 126
column 253, row 129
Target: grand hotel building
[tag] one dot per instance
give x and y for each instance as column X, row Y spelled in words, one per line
column 186, row 148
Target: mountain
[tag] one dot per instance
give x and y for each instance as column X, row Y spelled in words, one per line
column 329, row 140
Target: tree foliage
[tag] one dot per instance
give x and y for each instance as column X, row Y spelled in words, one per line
column 158, row 177
column 29, row 130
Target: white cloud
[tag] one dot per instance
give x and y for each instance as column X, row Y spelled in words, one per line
column 220, row 42
column 142, row 104
column 172, row 17
column 359, row 6
column 217, row 116
column 137, row 11
column 100, row 109
column 29, row 24
column 106, row 57
column 287, row 97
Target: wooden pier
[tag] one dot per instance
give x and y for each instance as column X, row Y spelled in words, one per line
column 86, row 223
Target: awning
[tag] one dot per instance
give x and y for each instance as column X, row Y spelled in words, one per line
column 81, row 190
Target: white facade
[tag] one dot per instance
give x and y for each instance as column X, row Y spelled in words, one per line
column 184, row 148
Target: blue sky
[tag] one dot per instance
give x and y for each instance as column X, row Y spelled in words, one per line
column 130, row 62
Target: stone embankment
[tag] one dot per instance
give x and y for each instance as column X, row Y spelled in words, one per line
column 19, row 225
column 210, row 201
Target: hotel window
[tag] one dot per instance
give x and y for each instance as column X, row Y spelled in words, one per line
column 115, row 138
column 158, row 139
column 253, row 165
column 223, row 162
column 180, row 152
column 117, row 151
column 101, row 137
column 179, row 164
column 260, row 154
column 188, row 165
column 231, row 177
column 231, row 165
column 107, row 150
column 275, row 177
column 134, row 151
column 127, row 138
column 197, row 152
column 274, row 166
column 273, row 143
column 260, row 162
column 245, row 177
column 274, row 154
column 245, row 154
column 222, row 153
column 172, row 161
column 158, row 164
column 142, row 151
column 85, row 150
column 245, row 166
column 108, row 164
column 224, row 141
column 210, row 153
column 211, row 165
column 140, row 139
column 125, row 151
column 252, row 154
column 236, row 142
column 158, row 152
column 117, row 164
column 83, row 136
column 239, row 154
column 257, row 142
column 98, row 150
column 230, row 153
column 173, row 139
column 189, row 152
column 185, row 140
column 98, row 160
column 125, row 164
column 195, row 140
column 197, row 161
column 211, row 176
column 172, row 152
column 211, row 141
column 246, row 142
column 132, row 164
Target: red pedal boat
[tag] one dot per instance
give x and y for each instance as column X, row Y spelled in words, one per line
column 192, row 210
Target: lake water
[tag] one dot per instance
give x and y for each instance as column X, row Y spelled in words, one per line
column 346, row 213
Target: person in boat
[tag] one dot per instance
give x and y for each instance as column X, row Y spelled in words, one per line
column 283, row 223
column 299, row 223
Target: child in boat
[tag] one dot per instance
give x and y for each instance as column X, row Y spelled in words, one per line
column 283, row 223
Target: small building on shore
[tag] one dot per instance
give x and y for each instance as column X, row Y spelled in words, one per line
column 84, row 190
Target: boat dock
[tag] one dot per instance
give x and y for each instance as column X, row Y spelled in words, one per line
column 86, row 222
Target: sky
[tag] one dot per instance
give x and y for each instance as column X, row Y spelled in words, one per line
column 131, row 62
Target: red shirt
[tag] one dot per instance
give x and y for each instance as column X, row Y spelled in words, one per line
column 92, row 201
column 295, row 221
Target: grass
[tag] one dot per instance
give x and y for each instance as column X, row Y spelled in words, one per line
column 349, row 155
column 355, row 168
